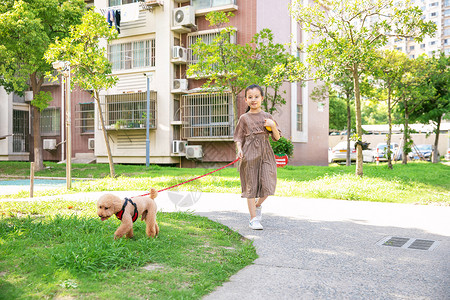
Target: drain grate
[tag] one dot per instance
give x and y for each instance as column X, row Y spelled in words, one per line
column 421, row 244
column 396, row 242
column 408, row 243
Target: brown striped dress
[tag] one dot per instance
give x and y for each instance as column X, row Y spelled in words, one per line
column 258, row 168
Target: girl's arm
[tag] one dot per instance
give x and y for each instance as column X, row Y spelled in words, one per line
column 273, row 125
column 239, row 154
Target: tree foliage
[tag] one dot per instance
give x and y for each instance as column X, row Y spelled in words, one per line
column 27, row 27
column 90, row 66
column 343, row 36
column 232, row 67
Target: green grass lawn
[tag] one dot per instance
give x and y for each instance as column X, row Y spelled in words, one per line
column 416, row 182
column 61, row 249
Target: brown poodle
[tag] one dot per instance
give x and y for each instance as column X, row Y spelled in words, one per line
column 128, row 210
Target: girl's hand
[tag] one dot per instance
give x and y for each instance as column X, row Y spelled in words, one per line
column 240, row 154
column 270, row 123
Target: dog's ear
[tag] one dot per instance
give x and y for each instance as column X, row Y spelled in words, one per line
column 153, row 193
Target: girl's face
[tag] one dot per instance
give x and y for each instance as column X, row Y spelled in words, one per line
column 253, row 99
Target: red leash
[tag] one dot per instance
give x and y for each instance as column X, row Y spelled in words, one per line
column 171, row 187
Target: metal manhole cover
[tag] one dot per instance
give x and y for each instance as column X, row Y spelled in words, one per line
column 408, row 243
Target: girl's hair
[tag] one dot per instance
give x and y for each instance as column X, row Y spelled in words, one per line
column 254, row 86
column 251, row 87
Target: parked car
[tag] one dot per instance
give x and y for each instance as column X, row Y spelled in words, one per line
column 339, row 153
column 447, row 155
column 381, row 153
column 423, row 151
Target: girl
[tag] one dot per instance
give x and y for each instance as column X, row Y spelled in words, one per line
column 258, row 169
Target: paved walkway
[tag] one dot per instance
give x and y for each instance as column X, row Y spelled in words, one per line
column 328, row 249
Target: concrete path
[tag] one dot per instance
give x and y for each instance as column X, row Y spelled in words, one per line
column 328, row 249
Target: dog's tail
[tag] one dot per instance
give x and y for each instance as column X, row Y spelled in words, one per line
column 153, row 193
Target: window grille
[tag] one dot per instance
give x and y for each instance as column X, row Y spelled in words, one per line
column 129, row 110
column 207, row 38
column 133, row 55
column 299, row 117
column 85, row 117
column 207, row 116
column 201, row 4
column 51, row 121
column 20, row 131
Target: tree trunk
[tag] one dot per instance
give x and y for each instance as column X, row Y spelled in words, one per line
column 112, row 172
column 435, row 156
column 36, row 123
column 389, row 158
column 359, row 157
column 37, row 141
column 348, row 161
column 405, row 134
column 235, row 110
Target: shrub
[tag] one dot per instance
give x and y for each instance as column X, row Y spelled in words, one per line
column 282, row 146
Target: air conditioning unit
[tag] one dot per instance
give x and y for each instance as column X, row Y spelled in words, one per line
column 28, row 96
column 49, row 144
column 180, row 84
column 194, row 152
column 184, row 16
column 91, row 144
column 179, row 147
column 179, row 53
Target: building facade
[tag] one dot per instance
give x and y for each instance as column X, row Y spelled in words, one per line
column 187, row 127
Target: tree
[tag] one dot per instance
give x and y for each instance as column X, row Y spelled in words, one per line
column 90, row 65
column 26, row 30
column 344, row 35
column 438, row 104
column 413, row 90
column 388, row 73
column 232, row 67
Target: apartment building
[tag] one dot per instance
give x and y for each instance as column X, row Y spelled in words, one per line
column 437, row 11
column 187, row 127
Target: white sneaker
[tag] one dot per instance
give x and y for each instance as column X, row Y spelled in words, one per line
column 255, row 224
column 259, row 213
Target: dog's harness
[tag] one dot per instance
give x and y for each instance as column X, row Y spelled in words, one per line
column 119, row 214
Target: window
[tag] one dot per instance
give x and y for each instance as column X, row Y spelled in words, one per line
column 87, row 117
column 206, row 38
column 434, row 4
column 432, row 43
column 20, row 131
column 447, row 51
column 411, row 48
column 447, row 22
column 447, row 3
column 129, row 110
column 446, row 41
column 201, row 4
column 447, row 31
column 132, row 55
column 447, row 12
column 399, row 49
column 51, row 121
column 299, row 117
column 411, row 56
column 422, row 46
column 433, row 14
column 121, row 2
column 207, row 116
